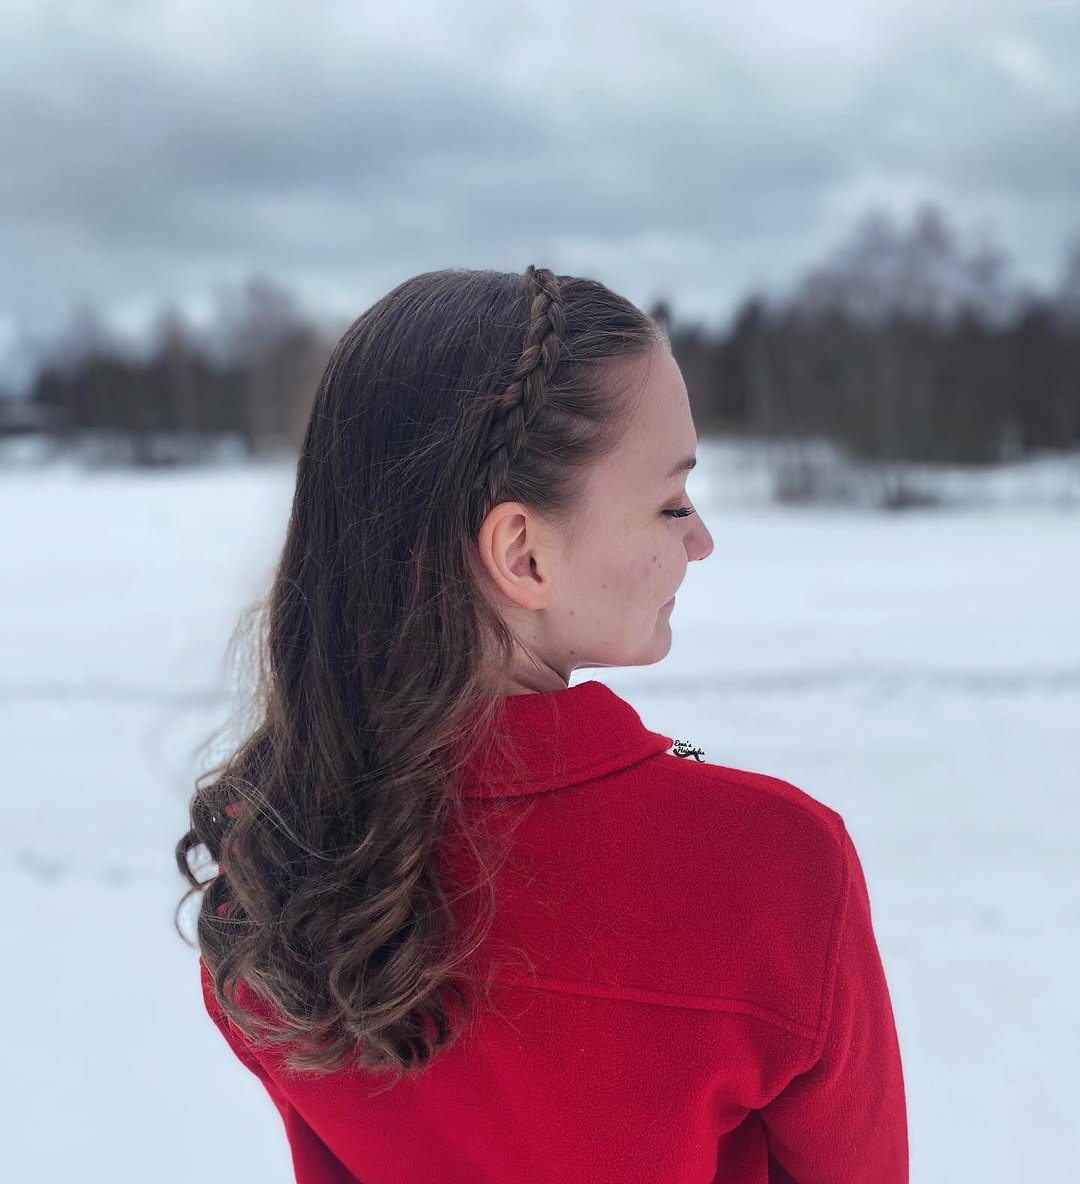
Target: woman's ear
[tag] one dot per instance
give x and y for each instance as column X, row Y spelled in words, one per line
column 512, row 547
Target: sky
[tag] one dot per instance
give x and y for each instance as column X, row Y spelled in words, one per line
column 691, row 151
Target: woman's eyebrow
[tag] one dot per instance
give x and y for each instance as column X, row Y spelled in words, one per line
column 686, row 463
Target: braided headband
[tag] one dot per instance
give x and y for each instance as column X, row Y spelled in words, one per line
column 522, row 400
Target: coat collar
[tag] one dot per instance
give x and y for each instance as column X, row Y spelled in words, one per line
column 560, row 738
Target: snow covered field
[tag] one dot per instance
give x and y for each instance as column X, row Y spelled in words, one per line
column 919, row 672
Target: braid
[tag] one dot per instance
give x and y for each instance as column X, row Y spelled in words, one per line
column 522, row 400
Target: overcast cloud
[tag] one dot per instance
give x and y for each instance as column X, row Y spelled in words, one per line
column 154, row 150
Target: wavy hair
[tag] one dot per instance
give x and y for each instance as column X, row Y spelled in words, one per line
column 456, row 391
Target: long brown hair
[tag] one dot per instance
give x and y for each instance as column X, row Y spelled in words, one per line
column 458, row 390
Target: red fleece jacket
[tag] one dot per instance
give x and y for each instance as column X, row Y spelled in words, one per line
column 703, row 998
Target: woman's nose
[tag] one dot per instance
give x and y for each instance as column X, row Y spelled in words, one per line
column 702, row 545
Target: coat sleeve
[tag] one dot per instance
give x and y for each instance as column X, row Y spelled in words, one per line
column 313, row 1161
column 844, row 1119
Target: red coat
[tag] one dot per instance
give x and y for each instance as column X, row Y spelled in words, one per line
column 708, row 1003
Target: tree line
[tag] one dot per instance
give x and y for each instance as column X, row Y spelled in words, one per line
column 903, row 345
column 247, row 380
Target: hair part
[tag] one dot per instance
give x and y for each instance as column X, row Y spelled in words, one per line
column 456, row 391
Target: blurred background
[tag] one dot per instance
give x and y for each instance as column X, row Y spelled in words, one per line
column 859, row 223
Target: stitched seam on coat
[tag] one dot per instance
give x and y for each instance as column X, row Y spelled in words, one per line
column 660, row 998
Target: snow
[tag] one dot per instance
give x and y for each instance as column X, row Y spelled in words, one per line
column 919, row 672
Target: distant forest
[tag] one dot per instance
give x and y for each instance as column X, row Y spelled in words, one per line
column 903, row 345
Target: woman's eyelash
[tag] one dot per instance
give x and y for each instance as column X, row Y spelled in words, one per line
column 681, row 512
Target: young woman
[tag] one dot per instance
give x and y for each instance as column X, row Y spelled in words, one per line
column 471, row 924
